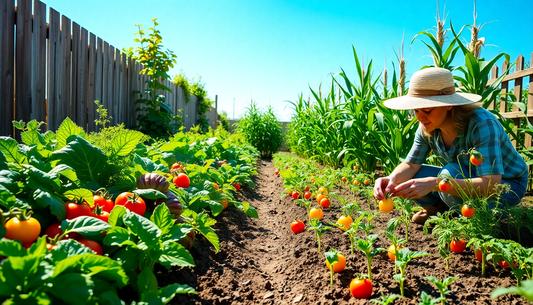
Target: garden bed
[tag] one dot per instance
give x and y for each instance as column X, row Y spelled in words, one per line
column 262, row 262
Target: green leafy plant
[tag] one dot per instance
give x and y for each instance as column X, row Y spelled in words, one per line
column 441, row 286
column 332, row 256
column 319, row 229
column 525, row 290
column 386, row 299
column 403, row 257
column 367, row 247
column 405, row 206
column 155, row 116
column 444, row 228
column 426, row 299
column 261, row 129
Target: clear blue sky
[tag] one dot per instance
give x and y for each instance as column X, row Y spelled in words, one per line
column 274, row 50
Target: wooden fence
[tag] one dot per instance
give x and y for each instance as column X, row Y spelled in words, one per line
column 521, row 79
column 50, row 71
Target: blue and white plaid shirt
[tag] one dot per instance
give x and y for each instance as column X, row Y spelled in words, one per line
column 485, row 134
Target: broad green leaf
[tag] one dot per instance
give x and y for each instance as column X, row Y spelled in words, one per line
column 168, row 292
column 150, row 194
column 3, row 161
column 178, row 232
column 72, row 288
column 148, row 165
column 211, row 236
column 125, row 142
column 147, row 281
column 7, row 200
column 38, row 178
column 16, row 272
column 67, row 248
column 9, row 147
column 65, row 171
column 106, row 268
column 162, row 218
column 88, row 161
column 118, row 236
column 115, row 217
column 80, row 195
column 526, row 290
column 32, row 137
column 11, row 248
column 44, row 197
column 200, row 155
column 174, row 254
column 171, row 146
column 85, row 225
column 67, row 129
column 146, row 230
column 247, row 209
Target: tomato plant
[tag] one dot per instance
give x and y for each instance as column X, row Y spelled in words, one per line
column 23, row 227
column 182, row 180
column 476, row 158
column 91, row 244
column 325, row 202
column 445, row 185
column 316, row 213
column 345, row 221
column 297, row 226
column 457, row 245
column 132, row 202
column 386, row 204
column 468, row 211
column 361, row 288
column 76, row 210
column 105, row 203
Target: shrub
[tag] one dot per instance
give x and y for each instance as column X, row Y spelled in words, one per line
column 261, row 129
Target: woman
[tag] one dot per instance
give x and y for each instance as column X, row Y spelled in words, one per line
column 451, row 123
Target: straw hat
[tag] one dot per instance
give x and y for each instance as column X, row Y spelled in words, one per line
column 431, row 87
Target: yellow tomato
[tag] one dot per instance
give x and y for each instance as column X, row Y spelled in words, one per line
column 323, row 190
column 345, row 221
column 386, row 205
column 391, row 252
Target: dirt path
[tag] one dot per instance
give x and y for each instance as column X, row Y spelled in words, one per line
column 262, row 262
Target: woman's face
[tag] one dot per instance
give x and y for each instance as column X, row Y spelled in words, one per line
column 432, row 118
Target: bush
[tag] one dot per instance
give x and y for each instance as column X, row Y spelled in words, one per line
column 224, row 121
column 261, row 129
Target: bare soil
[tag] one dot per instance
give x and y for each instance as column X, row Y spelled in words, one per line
column 262, row 262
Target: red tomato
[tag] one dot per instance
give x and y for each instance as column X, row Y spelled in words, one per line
column 355, row 168
column 458, row 246
column 468, row 211
column 27, row 231
column 325, row 202
column 361, row 288
column 76, row 210
column 104, row 216
column 91, row 244
column 307, row 188
column 295, row 195
column 106, row 204
column 297, row 226
column 236, row 186
column 182, row 180
column 175, row 166
column 505, row 265
column 276, row 173
column 307, row 195
column 344, row 179
column 366, row 182
column 445, row 185
column 479, row 255
column 131, row 202
column 55, row 229
column 476, row 160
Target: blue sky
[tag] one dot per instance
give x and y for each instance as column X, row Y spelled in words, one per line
column 272, row 51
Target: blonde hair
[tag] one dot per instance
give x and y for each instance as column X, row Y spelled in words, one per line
column 460, row 115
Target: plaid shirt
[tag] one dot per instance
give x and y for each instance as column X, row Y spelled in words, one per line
column 483, row 133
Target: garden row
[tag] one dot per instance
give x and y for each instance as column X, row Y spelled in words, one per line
column 377, row 227
column 93, row 214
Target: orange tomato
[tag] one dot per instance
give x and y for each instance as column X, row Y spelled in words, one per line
column 316, row 213
column 386, row 205
column 338, row 266
column 323, row 190
column 320, row 197
column 325, row 202
column 224, row 202
column 391, row 252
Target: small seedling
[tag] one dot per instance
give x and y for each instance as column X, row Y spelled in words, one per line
column 319, row 229
column 335, row 262
column 367, row 246
column 441, row 286
column 403, row 257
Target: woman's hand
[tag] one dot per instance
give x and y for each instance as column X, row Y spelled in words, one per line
column 383, row 186
column 415, row 188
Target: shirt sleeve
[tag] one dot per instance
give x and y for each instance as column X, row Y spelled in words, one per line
column 486, row 138
column 420, row 149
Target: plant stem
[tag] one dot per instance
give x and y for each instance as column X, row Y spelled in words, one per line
column 447, row 263
column 331, row 271
column 369, row 268
column 482, row 263
column 318, row 239
column 401, row 288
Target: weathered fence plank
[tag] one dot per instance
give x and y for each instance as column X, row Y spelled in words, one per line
column 91, row 87
column 7, row 65
column 23, row 67
column 38, row 59
column 54, row 69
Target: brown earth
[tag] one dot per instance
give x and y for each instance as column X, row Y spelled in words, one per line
column 262, row 262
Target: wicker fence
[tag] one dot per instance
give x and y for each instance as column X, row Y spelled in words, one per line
column 50, row 71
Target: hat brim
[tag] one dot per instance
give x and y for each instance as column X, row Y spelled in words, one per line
column 413, row 102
